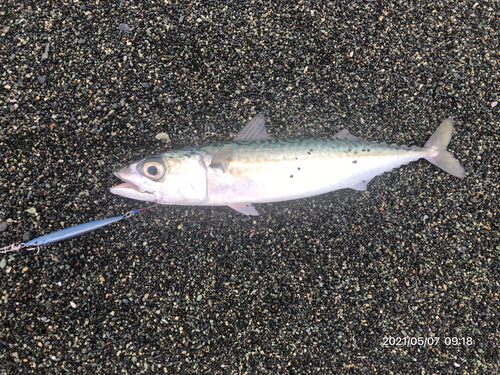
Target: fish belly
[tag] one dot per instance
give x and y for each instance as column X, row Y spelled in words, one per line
column 280, row 175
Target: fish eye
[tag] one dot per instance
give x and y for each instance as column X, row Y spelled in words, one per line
column 153, row 170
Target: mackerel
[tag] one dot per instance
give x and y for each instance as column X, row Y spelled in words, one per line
column 256, row 168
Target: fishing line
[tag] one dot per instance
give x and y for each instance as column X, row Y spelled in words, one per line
column 67, row 233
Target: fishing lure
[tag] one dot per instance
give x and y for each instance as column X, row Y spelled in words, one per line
column 67, row 233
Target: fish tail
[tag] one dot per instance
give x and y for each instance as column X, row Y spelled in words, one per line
column 442, row 158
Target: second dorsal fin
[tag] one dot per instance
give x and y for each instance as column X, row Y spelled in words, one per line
column 254, row 130
column 346, row 136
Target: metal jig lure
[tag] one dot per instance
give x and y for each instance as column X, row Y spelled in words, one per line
column 67, row 233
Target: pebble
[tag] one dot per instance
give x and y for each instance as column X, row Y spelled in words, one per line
column 124, row 27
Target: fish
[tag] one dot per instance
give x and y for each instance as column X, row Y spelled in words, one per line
column 257, row 168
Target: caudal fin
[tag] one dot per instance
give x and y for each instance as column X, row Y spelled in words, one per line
column 443, row 159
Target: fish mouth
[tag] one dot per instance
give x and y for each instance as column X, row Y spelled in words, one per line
column 129, row 185
column 128, row 189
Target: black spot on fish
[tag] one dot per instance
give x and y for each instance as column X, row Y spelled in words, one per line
column 311, row 150
column 355, row 152
column 354, row 161
column 363, row 150
column 368, row 149
column 308, row 153
column 291, row 176
column 298, row 168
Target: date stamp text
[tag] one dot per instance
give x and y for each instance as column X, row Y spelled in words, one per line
column 409, row 341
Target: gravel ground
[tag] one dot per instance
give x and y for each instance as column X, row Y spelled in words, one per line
column 328, row 284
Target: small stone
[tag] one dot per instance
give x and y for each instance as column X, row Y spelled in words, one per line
column 41, row 79
column 162, row 136
column 27, row 236
column 124, row 27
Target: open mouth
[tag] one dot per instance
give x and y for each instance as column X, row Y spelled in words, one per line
column 128, row 189
column 129, row 185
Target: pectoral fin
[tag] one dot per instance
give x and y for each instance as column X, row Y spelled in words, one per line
column 222, row 158
column 244, row 208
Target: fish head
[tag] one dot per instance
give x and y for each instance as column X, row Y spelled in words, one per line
column 168, row 178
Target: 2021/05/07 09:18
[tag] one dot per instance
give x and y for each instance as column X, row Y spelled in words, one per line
column 425, row 341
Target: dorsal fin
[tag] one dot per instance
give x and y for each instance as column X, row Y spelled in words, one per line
column 346, row 136
column 254, row 130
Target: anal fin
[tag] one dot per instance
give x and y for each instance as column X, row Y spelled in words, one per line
column 363, row 185
column 244, row 208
